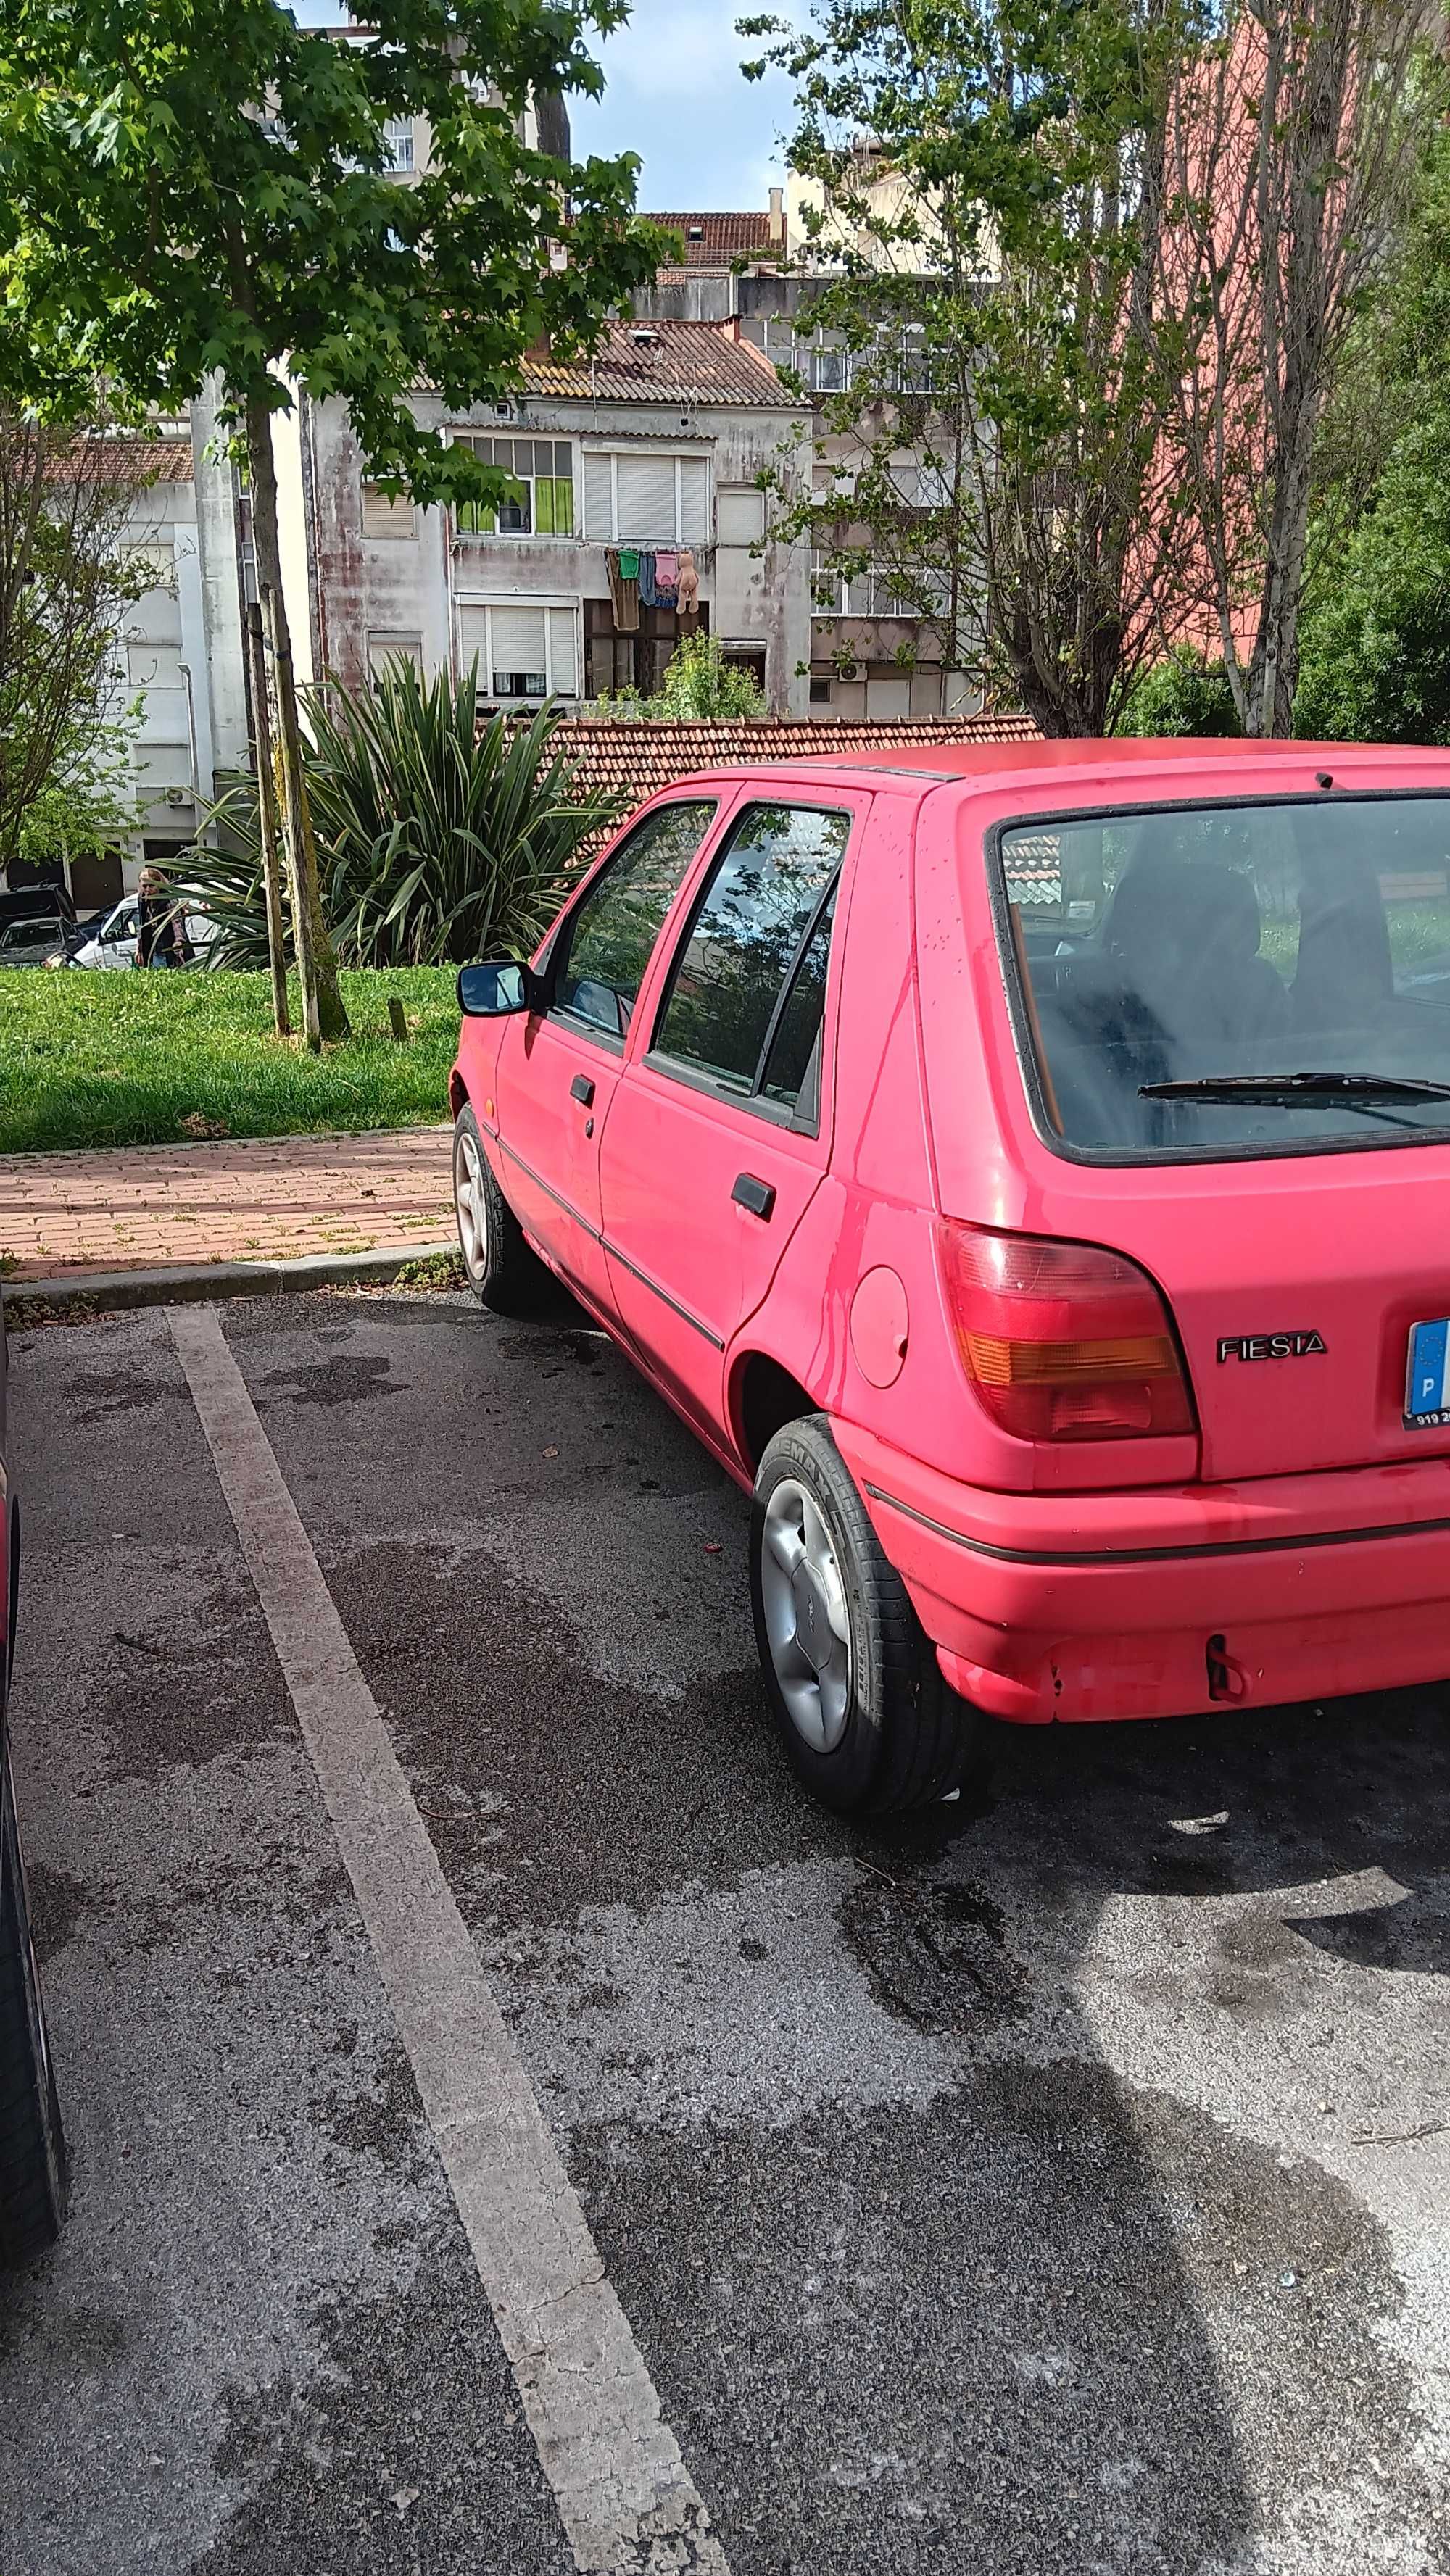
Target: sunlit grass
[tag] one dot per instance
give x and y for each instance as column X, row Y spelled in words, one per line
column 160, row 1058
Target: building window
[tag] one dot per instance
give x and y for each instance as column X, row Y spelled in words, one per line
column 526, row 651
column 872, row 593
column 398, row 143
column 638, row 660
column 641, row 497
column 820, row 693
column 383, row 516
column 384, row 649
column 540, row 500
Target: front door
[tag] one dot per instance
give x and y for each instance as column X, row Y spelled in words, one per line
column 719, row 1130
column 557, row 1069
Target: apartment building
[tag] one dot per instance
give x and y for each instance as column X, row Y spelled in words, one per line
column 626, row 470
column 868, row 657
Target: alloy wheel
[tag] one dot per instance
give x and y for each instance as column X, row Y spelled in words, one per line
column 806, row 1619
column 470, row 1194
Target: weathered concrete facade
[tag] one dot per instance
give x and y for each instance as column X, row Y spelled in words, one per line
column 868, row 661
column 660, row 444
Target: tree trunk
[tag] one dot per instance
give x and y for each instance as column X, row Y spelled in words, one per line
column 268, row 820
column 323, row 1015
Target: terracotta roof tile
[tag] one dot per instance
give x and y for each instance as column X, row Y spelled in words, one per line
column 126, row 460
column 661, row 362
column 630, row 761
column 722, row 239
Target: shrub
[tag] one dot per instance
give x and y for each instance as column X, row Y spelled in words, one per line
column 1185, row 693
column 435, row 842
column 699, row 687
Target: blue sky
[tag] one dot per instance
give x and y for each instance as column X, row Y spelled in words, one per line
column 708, row 139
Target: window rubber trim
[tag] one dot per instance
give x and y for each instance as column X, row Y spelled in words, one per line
column 1153, row 1158
column 1156, row 1555
column 697, row 1079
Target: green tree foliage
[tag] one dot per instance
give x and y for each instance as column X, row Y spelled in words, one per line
column 201, row 188
column 991, row 176
column 436, row 842
column 68, row 496
column 1376, row 654
column 1185, row 693
column 85, row 803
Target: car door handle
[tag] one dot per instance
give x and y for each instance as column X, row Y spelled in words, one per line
column 756, row 1195
column 582, row 1090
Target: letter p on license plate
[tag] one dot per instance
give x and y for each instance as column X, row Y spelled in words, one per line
column 1427, row 1398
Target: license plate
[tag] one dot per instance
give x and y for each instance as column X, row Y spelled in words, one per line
column 1427, row 1395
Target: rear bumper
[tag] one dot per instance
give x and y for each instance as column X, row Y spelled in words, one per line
column 1082, row 1606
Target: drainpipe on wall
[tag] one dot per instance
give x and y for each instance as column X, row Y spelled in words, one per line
column 315, row 617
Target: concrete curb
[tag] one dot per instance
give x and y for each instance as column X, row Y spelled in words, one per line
column 190, row 1283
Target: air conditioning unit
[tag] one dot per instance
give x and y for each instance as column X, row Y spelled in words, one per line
column 178, row 796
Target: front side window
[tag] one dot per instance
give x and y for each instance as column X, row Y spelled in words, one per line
column 1229, row 980
column 747, row 994
column 540, row 500
column 607, row 941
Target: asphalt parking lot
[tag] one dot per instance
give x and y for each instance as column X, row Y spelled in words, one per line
column 1062, row 2184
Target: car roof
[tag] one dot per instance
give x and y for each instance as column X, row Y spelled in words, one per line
column 1087, row 763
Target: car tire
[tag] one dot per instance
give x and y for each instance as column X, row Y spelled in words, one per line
column 867, row 1720
column 32, row 2142
column 504, row 1273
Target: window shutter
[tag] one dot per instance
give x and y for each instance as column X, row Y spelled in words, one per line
column 384, row 517
column 598, row 503
column 518, row 640
column 740, row 514
column 694, row 501
column 563, row 668
column 473, row 638
column 647, row 500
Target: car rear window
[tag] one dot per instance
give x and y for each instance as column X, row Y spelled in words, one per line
column 1229, row 980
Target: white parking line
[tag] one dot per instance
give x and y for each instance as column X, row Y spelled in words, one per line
column 623, row 2491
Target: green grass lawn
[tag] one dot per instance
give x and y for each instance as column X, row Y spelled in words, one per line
column 132, row 1059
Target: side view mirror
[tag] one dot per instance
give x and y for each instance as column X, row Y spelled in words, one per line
column 495, row 991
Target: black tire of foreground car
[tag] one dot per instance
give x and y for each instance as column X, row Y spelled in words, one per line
column 868, row 1722
column 503, row 1272
column 32, row 2143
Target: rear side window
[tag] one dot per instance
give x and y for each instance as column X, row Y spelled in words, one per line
column 1228, row 980
column 607, row 941
column 747, row 995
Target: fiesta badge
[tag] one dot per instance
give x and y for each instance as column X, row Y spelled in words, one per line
column 1272, row 1346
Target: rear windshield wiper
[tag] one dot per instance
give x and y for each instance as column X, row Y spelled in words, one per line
column 1290, row 1088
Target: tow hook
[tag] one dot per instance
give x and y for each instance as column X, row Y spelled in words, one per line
column 1227, row 1678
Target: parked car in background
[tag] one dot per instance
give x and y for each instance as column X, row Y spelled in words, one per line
column 113, row 941
column 1023, row 1166
column 32, row 2143
column 32, row 940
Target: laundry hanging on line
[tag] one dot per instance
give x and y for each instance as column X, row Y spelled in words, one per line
column 623, row 587
column 667, row 575
column 648, row 580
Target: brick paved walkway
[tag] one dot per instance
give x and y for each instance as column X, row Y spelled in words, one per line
column 271, row 1199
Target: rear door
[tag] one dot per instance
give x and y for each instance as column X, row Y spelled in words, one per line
column 557, row 1069
column 719, row 1129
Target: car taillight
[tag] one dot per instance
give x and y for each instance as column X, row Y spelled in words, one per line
column 1063, row 1341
